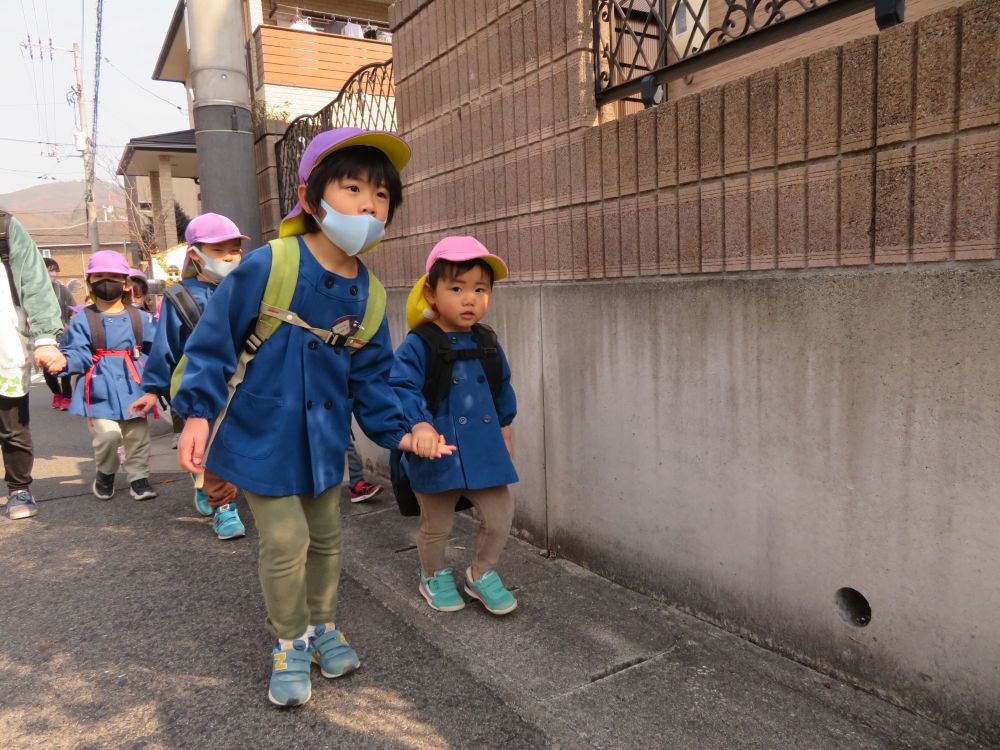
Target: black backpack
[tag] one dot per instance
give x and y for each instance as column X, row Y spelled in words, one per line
column 185, row 305
column 97, row 340
column 437, row 385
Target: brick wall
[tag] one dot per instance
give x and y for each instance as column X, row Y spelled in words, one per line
column 883, row 150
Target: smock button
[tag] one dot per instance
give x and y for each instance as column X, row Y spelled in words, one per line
column 481, row 379
column 354, row 291
column 328, row 404
column 456, row 381
column 309, row 404
column 313, row 344
column 462, row 420
column 328, row 282
column 454, row 339
column 487, row 419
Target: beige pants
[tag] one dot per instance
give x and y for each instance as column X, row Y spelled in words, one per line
column 495, row 507
column 133, row 434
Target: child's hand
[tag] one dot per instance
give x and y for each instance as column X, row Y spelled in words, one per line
column 142, row 406
column 191, row 445
column 508, row 439
column 49, row 357
column 425, row 442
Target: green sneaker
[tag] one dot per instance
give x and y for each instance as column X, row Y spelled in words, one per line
column 290, row 682
column 440, row 592
column 489, row 590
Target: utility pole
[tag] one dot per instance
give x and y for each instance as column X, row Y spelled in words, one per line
column 222, row 124
column 88, row 155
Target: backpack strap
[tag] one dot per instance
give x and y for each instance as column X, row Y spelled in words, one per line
column 96, row 325
column 5, row 256
column 492, row 364
column 185, row 305
column 437, row 378
column 136, row 317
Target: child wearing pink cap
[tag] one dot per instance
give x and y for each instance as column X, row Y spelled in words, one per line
column 283, row 435
column 107, row 343
column 455, row 375
column 214, row 249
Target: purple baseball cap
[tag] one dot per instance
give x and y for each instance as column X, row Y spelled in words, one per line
column 324, row 144
column 212, row 228
column 108, row 261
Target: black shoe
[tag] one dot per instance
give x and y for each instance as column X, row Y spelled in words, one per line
column 141, row 490
column 104, row 486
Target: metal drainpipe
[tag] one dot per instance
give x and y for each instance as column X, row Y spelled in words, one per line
column 222, row 124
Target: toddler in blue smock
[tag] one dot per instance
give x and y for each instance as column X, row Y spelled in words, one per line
column 318, row 357
column 451, row 371
column 107, row 343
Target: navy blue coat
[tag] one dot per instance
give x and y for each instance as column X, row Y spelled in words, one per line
column 290, row 421
column 171, row 336
column 468, row 419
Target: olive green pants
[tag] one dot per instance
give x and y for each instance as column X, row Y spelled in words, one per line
column 299, row 563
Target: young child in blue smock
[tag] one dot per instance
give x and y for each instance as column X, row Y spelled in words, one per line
column 454, row 295
column 283, row 436
column 112, row 374
column 213, row 251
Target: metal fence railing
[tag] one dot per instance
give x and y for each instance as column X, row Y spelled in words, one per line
column 367, row 100
column 641, row 44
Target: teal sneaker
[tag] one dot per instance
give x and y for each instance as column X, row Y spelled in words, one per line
column 333, row 653
column 201, row 502
column 290, row 682
column 489, row 589
column 440, row 592
column 226, row 523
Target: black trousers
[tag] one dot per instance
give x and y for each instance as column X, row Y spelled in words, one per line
column 60, row 386
column 15, row 442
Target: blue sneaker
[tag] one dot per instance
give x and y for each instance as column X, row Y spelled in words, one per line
column 20, row 504
column 333, row 653
column 227, row 524
column 440, row 592
column 290, row 683
column 201, row 503
column 489, row 590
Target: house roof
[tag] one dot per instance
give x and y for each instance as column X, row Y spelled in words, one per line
column 142, row 154
column 172, row 64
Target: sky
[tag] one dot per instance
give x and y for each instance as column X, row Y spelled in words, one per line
column 34, row 108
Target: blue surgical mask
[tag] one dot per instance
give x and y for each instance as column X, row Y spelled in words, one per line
column 352, row 234
column 214, row 268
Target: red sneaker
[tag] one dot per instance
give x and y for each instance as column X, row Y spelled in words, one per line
column 364, row 490
column 57, row 401
column 64, row 403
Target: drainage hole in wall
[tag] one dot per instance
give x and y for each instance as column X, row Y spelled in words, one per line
column 852, row 607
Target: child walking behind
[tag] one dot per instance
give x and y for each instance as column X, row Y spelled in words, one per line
column 474, row 408
column 107, row 343
column 213, row 251
column 320, row 355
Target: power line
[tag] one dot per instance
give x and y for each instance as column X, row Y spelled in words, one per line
column 51, row 143
column 139, row 85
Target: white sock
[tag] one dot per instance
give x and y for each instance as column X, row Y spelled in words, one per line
column 310, row 632
column 288, row 645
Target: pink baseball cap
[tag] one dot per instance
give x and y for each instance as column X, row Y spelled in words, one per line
column 108, row 261
column 324, row 144
column 457, row 249
column 212, row 228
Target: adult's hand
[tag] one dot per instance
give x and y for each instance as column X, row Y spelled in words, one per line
column 49, row 357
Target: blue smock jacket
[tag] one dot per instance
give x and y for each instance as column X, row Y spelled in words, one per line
column 171, row 335
column 468, row 419
column 290, row 420
column 112, row 386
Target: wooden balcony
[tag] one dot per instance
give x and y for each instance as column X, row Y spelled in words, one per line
column 312, row 60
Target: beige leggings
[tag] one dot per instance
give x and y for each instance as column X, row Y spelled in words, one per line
column 437, row 516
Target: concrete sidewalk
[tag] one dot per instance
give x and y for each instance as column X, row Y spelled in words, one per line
column 129, row 625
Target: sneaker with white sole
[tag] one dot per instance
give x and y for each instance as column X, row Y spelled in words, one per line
column 20, row 504
column 140, row 490
column 489, row 590
column 332, row 652
column 440, row 591
column 104, row 486
column 226, row 523
column 363, row 490
column 290, row 683
column 201, row 502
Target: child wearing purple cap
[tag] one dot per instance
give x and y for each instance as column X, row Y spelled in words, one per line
column 282, row 434
column 472, row 405
column 107, row 343
column 214, row 250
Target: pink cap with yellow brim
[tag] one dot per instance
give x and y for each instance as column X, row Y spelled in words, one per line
column 324, row 144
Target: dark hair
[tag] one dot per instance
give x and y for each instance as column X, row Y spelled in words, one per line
column 447, row 270
column 51, row 264
column 353, row 163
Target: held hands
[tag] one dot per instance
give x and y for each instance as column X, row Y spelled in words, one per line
column 142, row 406
column 49, row 357
column 191, row 445
column 424, row 441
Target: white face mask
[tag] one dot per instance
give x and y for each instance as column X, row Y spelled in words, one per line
column 213, row 268
column 352, row 234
